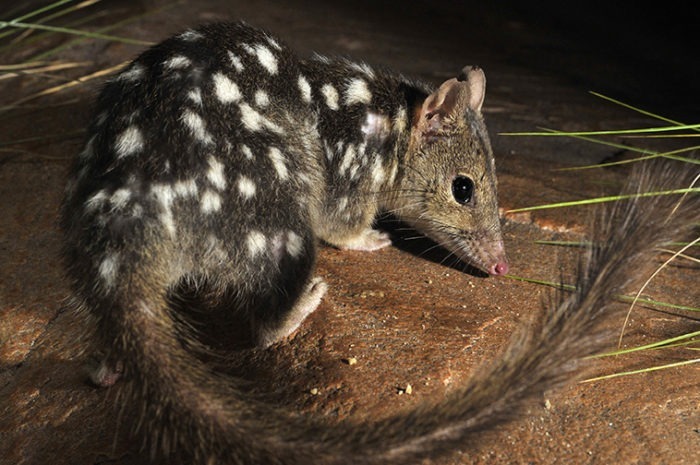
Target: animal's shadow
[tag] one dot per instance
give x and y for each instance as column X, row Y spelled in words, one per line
column 409, row 240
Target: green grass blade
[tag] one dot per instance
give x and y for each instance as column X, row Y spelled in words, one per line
column 672, row 155
column 41, row 35
column 621, row 298
column 587, row 243
column 599, row 141
column 77, row 32
column 612, row 198
column 653, row 345
column 565, row 243
column 45, row 138
column 638, row 110
column 33, row 13
column 53, row 51
column 626, row 298
column 566, row 287
column 643, row 370
column 55, row 15
column 614, row 132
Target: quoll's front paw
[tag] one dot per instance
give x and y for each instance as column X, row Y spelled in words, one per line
column 368, row 240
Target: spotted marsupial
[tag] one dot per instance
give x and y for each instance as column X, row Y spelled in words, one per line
column 221, row 159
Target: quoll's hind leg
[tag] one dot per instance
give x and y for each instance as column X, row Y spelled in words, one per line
column 271, row 330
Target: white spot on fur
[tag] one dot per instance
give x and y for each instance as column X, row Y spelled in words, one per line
column 191, row 35
column 120, row 198
column 177, row 62
column 357, row 92
column 342, row 203
column 246, row 151
column 278, row 163
column 276, row 244
column 96, row 201
column 108, row 269
column 347, row 159
column 294, row 244
column 134, row 73
column 400, row 120
column 211, row 202
column 246, row 187
column 304, row 177
column 164, row 194
column 137, row 210
column 187, row 188
column 267, row 59
column 363, row 68
column 196, row 124
column 375, row 125
column 331, row 96
column 392, row 172
column 256, row 243
column 250, row 118
column 273, row 43
column 378, row 174
column 226, row 90
column 236, row 61
column 215, row 174
column 261, row 98
column 129, row 142
column 329, row 151
column 254, row 121
column 321, row 58
column 304, row 88
column 195, row 95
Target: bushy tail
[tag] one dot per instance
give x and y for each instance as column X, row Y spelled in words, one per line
column 204, row 416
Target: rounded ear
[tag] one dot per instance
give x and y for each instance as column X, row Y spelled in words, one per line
column 452, row 99
column 476, row 81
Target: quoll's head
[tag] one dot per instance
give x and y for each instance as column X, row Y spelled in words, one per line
column 450, row 187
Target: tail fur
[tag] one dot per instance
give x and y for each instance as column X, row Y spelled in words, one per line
column 195, row 413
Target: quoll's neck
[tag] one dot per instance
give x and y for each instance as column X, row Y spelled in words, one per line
column 364, row 120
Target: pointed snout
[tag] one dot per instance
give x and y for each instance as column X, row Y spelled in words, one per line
column 498, row 266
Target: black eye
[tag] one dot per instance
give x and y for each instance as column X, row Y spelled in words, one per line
column 462, row 189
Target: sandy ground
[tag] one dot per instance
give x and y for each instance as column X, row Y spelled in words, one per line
column 405, row 316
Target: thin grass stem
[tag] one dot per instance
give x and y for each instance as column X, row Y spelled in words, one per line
column 77, row 32
column 611, row 198
column 643, row 370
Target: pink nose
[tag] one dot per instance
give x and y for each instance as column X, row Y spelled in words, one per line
column 499, row 269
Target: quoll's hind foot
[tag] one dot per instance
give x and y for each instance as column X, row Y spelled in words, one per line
column 106, row 374
column 368, row 240
column 270, row 332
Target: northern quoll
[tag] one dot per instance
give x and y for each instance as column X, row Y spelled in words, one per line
column 220, row 158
